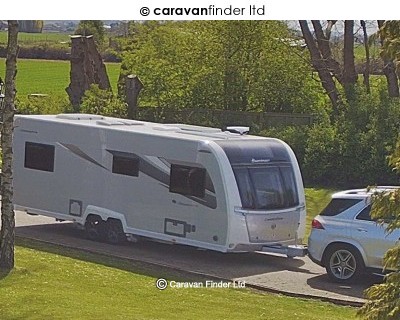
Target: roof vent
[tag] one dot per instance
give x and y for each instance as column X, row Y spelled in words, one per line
column 239, row 130
column 132, row 122
column 165, row 128
column 119, row 122
column 79, row 116
column 193, row 128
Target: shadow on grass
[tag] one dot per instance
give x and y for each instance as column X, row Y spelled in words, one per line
column 137, row 267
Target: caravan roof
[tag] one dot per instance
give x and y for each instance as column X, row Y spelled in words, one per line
column 171, row 130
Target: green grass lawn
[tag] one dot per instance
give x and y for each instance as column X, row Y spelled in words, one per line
column 57, row 283
column 359, row 52
column 48, row 76
column 316, row 200
column 36, row 38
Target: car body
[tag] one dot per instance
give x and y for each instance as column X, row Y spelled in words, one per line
column 345, row 240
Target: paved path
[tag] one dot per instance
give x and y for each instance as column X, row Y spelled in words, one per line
column 298, row 277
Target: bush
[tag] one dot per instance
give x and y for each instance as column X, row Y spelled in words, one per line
column 322, row 155
column 43, row 105
column 295, row 136
column 352, row 151
column 98, row 101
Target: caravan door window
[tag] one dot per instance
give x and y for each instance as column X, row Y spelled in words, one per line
column 189, row 181
column 39, row 156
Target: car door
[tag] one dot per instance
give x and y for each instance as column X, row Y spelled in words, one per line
column 373, row 238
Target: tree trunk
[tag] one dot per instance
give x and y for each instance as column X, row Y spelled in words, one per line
column 367, row 58
column 133, row 85
column 328, row 30
column 87, row 68
column 349, row 72
column 320, row 66
column 95, row 62
column 349, row 68
column 389, row 70
column 7, row 233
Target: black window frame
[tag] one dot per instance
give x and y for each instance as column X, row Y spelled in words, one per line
column 120, row 165
column 39, row 156
column 188, row 180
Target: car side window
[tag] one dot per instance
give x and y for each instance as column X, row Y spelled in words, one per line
column 365, row 214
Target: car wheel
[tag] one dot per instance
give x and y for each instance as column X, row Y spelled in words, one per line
column 114, row 233
column 94, row 228
column 343, row 263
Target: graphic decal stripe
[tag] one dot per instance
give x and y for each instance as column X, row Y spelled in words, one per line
column 78, row 152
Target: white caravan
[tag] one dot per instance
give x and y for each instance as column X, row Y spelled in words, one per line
column 178, row 183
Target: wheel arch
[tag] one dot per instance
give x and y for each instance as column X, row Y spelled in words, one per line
column 105, row 215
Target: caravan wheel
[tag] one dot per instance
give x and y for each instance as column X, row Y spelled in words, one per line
column 94, row 228
column 114, row 233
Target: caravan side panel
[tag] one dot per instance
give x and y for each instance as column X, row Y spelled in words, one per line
column 84, row 176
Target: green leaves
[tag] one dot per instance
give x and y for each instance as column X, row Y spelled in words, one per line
column 390, row 34
column 386, row 209
column 236, row 65
column 94, row 28
column 384, row 302
column 384, row 299
column 97, row 101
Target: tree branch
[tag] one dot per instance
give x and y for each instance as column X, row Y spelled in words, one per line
column 325, row 49
column 320, row 66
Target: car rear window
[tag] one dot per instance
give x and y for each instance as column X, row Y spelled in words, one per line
column 337, row 206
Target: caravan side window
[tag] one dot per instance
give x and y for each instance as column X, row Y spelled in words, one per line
column 187, row 180
column 128, row 166
column 39, row 156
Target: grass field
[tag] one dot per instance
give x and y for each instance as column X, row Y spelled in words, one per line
column 36, row 38
column 49, row 77
column 53, row 283
column 359, row 52
column 316, row 200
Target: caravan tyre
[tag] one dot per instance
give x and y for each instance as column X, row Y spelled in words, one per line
column 94, row 227
column 114, row 233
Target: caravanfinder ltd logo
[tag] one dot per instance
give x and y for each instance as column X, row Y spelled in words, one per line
column 163, row 284
column 207, row 11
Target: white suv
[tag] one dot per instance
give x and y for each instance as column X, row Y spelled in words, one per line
column 345, row 240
